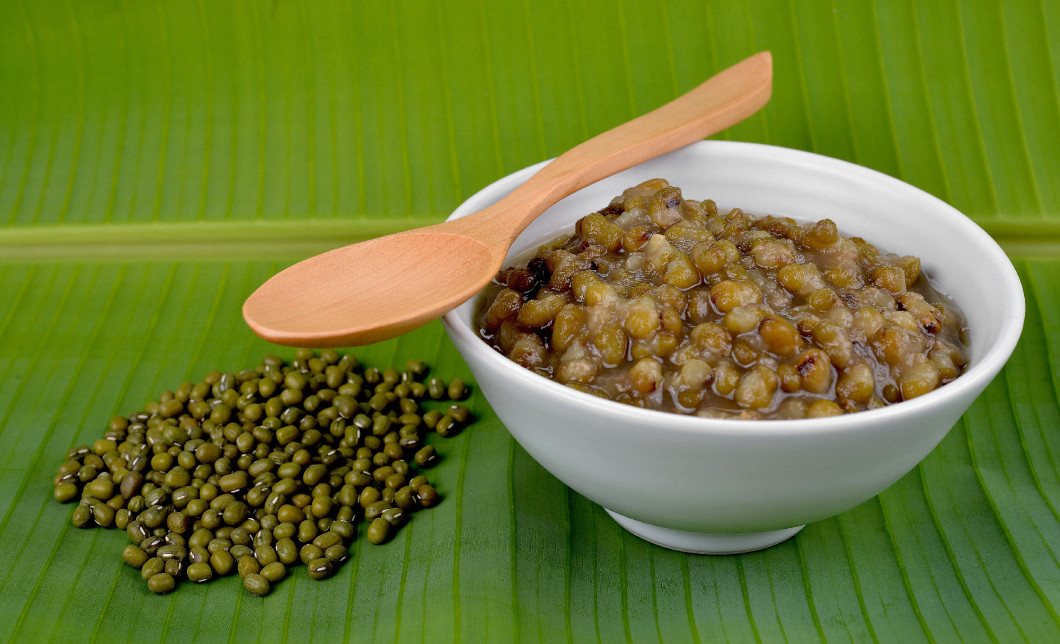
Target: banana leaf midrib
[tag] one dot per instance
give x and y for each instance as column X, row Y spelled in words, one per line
column 248, row 239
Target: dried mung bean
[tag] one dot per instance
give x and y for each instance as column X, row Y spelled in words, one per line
column 286, row 551
column 103, row 514
column 66, row 492
column 247, row 565
column 405, row 498
column 171, row 552
column 134, row 556
column 222, row 562
column 265, row 555
column 122, row 518
column 395, row 516
column 427, row 495
column 320, row 568
column 198, row 554
column 273, row 572
column 152, row 567
column 199, row 572
column 336, row 553
column 309, row 552
column 161, row 583
column 256, row 584
column 342, row 527
column 378, row 530
column 256, row 470
column 457, row 389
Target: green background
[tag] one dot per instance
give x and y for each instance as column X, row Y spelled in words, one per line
column 158, row 160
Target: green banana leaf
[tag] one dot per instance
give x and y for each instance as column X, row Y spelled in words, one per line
column 159, row 160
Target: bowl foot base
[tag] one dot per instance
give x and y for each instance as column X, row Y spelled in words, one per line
column 704, row 543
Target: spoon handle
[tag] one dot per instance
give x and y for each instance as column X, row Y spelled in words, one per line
column 382, row 287
column 721, row 101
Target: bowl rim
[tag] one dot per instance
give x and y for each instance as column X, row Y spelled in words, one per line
column 976, row 378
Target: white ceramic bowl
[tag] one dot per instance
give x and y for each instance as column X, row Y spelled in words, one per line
column 720, row 486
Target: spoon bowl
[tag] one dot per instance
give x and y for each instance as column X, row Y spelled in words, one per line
column 383, row 287
column 348, row 309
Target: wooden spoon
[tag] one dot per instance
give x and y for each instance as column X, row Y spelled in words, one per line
column 383, row 287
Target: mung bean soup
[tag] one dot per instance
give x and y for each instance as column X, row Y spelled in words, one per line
column 668, row 303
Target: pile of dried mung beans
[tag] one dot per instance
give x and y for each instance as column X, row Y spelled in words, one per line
column 666, row 303
column 256, row 471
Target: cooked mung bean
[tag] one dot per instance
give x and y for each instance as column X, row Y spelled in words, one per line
column 666, row 303
column 256, row 470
